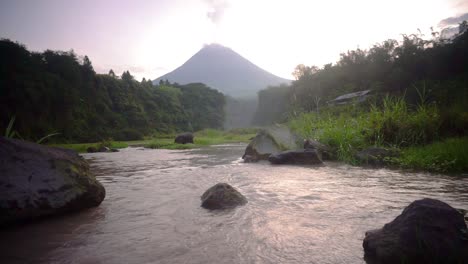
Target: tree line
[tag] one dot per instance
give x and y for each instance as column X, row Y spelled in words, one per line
column 438, row 68
column 59, row 92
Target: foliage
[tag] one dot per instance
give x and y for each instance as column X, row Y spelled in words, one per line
column 393, row 123
column 450, row 155
column 56, row 91
column 398, row 68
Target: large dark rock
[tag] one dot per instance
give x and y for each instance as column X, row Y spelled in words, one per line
column 269, row 141
column 222, row 196
column 376, row 156
column 428, row 231
column 305, row 157
column 325, row 151
column 184, row 138
column 37, row 181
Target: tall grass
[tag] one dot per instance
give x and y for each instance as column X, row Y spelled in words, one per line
column 450, row 155
column 392, row 123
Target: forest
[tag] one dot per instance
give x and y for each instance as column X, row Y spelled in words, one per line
column 48, row 92
column 393, row 67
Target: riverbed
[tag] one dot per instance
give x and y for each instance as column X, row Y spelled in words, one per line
column 295, row 214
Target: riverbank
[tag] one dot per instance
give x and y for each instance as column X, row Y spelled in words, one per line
column 202, row 138
column 425, row 137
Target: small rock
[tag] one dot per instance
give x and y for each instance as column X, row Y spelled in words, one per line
column 103, row 149
column 114, row 150
column 91, row 150
column 184, row 138
column 222, row 196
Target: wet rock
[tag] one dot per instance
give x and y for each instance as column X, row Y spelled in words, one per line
column 91, row 150
column 37, row 181
column 114, row 150
column 270, row 141
column 222, row 196
column 184, row 138
column 427, row 231
column 304, row 157
column 103, row 149
column 325, row 151
column 376, row 156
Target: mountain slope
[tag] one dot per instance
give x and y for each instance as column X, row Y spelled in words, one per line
column 223, row 69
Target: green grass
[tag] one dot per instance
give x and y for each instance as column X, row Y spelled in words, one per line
column 416, row 130
column 450, row 155
column 82, row 147
column 203, row 138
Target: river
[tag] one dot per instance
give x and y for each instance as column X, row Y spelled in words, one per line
column 295, row 214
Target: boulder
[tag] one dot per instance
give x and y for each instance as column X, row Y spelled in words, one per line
column 184, row 138
column 376, row 156
column 269, row 141
column 37, row 181
column 427, row 231
column 114, row 150
column 222, row 196
column 304, row 157
column 325, row 151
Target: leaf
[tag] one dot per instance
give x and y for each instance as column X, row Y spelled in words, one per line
column 46, row 137
column 8, row 132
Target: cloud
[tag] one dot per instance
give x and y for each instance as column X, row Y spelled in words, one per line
column 453, row 21
column 217, row 8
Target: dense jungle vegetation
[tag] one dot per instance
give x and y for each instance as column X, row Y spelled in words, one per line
column 391, row 67
column 419, row 102
column 59, row 92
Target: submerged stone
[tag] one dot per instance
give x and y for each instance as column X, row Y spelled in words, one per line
column 427, row 231
column 36, row 181
column 222, row 196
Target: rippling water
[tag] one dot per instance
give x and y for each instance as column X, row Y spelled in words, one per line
column 295, row 214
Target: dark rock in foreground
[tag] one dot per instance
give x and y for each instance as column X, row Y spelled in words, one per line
column 376, row 156
column 269, row 141
column 305, row 157
column 428, row 231
column 37, row 181
column 222, row 196
column 184, row 138
column 325, row 151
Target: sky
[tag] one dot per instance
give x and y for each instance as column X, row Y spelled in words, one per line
column 152, row 37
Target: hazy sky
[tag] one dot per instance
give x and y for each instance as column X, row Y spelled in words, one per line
column 150, row 38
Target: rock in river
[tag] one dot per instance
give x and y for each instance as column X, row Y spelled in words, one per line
column 325, row 151
column 37, row 181
column 427, row 231
column 222, row 196
column 270, row 141
column 184, row 138
column 305, row 157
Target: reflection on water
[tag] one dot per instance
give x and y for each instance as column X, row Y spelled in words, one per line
column 295, row 214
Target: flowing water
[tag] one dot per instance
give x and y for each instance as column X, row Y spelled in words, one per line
column 295, row 214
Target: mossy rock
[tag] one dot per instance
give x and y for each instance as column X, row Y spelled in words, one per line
column 37, row 180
